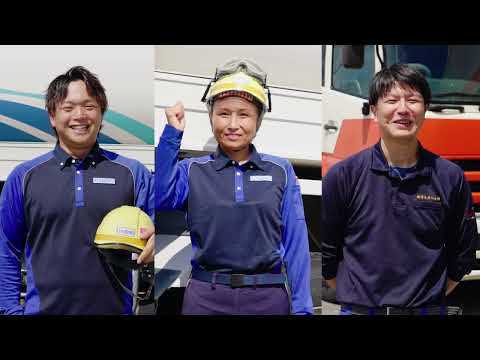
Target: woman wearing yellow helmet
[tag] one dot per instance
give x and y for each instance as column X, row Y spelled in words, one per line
column 244, row 209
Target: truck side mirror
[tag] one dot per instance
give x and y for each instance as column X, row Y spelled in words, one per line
column 353, row 56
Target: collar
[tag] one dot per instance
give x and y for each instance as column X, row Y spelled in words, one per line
column 63, row 159
column 221, row 160
column 380, row 163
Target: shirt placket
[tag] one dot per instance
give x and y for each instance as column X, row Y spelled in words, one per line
column 239, row 193
column 401, row 198
column 397, row 201
column 79, row 189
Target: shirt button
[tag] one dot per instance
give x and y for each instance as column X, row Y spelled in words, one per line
column 61, row 164
column 233, row 162
column 73, row 161
column 79, row 188
column 93, row 162
column 251, row 166
column 238, row 188
column 78, row 172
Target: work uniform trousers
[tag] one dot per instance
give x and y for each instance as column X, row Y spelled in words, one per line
column 204, row 298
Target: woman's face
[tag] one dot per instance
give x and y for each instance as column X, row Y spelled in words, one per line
column 234, row 123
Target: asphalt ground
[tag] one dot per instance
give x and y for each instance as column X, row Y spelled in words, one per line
column 330, row 308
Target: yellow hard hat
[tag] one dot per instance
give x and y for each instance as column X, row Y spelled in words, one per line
column 241, row 82
column 121, row 228
column 243, row 78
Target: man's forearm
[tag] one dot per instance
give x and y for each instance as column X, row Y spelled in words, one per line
column 332, row 283
column 451, row 284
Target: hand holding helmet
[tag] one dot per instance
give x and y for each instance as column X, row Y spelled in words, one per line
column 176, row 116
column 148, row 253
column 124, row 231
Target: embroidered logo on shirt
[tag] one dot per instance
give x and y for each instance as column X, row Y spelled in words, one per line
column 110, row 181
column 261, row 178
column 433, row 198
column 126, row 231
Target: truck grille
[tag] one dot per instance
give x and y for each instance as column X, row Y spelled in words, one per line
column 468, row 165
column 472, row 166
column 474, row 186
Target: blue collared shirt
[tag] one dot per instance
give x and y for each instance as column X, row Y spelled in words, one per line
column 393, row 241
column 242, row 218
column 50, row 208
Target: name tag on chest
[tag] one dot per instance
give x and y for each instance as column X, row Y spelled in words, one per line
column 261, row 178
column 109, row 181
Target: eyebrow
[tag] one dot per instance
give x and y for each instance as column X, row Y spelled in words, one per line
column 68, row 102
column 221, row 108
column 408, row 94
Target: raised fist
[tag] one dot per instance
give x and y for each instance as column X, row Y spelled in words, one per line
column 176, row 116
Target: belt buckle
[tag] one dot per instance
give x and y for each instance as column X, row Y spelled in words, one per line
column 236, row 280
column 392, row 310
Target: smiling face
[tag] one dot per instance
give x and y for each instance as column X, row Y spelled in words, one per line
column 77, row 120
column 400, row 113
column 234, row 125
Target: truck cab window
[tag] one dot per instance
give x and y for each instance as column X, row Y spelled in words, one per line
column 353, row 81
column 452, row 71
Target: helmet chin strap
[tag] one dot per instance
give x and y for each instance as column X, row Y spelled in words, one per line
column 119, row 258
column 112, row 257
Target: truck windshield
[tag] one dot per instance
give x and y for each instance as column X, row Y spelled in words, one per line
column 453, row 71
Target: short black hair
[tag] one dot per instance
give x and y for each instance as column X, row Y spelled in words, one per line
column 400, row 74
column 58, row 88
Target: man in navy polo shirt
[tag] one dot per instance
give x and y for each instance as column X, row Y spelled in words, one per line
column 244, row 209
column 399, row 228
column 51, row 206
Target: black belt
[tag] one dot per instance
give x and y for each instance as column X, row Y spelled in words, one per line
column 391, row 310
column 239, row 280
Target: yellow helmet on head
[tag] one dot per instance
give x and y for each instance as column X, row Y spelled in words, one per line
column 243, row 78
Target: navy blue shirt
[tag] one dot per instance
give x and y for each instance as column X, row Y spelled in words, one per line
column 50, row 209
column 393, row 241
column 242, row 218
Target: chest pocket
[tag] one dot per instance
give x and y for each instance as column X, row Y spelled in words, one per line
column 427, row 221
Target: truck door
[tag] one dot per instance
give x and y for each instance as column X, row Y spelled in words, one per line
column 345, row 104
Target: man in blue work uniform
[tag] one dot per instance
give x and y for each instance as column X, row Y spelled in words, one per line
column 244, row 209
column 399, row 229
column 51, row 206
